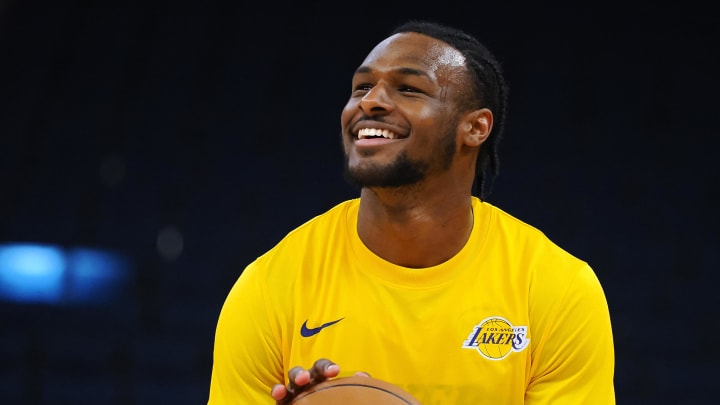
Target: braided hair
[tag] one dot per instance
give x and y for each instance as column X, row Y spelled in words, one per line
column 489, row 90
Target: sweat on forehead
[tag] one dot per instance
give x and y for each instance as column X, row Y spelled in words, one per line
column 432, row 52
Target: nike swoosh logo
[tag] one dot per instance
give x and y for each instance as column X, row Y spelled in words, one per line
column 307, row 332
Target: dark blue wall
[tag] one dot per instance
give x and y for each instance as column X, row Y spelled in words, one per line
column 119, row 121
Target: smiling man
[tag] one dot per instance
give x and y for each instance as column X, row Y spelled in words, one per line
column 420, row 281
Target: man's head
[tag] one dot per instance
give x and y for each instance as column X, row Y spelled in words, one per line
column 424, row 96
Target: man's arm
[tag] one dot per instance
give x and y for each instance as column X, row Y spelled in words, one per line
column 574, row 360
column 246, row 357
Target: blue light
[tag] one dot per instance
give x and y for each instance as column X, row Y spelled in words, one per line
column 31, row 273
column 50, row 274
column 96, row 275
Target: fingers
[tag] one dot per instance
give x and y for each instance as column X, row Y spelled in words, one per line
column 301, row 379
column 322, row 370
column 279, row 392
column 298, row 377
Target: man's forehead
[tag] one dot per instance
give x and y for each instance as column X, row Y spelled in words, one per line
column 417, row 48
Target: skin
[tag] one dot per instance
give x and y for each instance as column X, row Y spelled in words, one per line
column 417, row 187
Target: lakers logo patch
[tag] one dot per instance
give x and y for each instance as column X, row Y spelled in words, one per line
column 495, row 337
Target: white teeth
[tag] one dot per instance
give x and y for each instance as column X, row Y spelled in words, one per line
column 374, row 132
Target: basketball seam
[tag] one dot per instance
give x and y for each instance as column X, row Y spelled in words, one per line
column 362, row 385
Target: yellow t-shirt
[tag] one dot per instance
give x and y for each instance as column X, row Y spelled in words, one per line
column 511, row 319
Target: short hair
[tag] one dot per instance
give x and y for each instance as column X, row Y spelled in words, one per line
column 489, row 90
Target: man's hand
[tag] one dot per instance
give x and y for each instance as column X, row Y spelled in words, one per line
column 301, row 380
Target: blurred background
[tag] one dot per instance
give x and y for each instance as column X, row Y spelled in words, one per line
column 150, row 150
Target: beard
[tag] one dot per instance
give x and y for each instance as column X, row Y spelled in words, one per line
column 403, row 171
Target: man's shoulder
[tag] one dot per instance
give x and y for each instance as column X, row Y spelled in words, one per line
column 321, row 226
column 523, row 234
column 499, row 217
column 333, row 215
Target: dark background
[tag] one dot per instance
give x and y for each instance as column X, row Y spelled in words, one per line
column 122, row 121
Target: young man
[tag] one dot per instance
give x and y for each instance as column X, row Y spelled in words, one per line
column 419, row 282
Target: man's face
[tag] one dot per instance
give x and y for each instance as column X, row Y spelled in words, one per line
column 399, row 125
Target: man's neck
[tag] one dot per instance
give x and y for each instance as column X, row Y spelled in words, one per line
column 414, row 232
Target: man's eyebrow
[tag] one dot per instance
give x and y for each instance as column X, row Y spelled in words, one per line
column 400, row 70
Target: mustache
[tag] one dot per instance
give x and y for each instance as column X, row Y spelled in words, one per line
column 377, row 118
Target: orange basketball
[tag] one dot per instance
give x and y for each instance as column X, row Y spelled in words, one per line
column 355, row 390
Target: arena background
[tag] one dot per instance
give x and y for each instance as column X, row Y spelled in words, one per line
column 185, row 138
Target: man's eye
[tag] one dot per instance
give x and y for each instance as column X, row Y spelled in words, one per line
column 363, row 87
column 408, row 89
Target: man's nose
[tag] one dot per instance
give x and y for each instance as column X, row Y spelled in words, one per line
column 376, row 100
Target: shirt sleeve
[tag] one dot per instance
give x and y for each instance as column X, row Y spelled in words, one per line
column 573, row 361
column 246, row 354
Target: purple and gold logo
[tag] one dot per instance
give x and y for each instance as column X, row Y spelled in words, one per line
column 495, row 337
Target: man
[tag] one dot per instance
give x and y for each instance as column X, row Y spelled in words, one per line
column 419, row 282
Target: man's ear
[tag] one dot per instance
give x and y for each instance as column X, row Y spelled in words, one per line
column 476, row 126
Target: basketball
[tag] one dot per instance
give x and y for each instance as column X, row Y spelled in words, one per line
column 355, row 390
